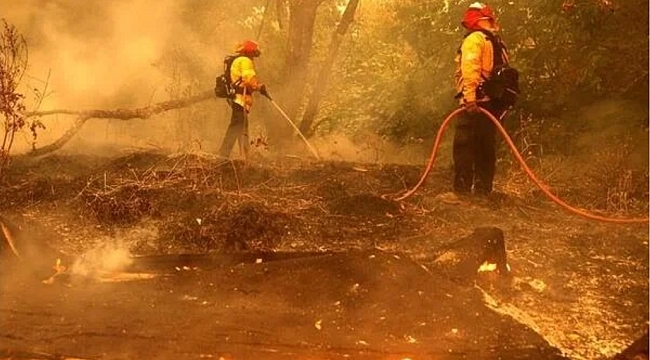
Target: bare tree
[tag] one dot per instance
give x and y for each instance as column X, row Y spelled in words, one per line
column 13, row 63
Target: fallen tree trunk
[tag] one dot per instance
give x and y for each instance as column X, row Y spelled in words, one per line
column 479, row 257
column 120, row 114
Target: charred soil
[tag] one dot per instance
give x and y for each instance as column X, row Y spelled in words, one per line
column 581, row 284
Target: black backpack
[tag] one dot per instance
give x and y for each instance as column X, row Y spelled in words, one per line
column 223, row 87
column 503, row 85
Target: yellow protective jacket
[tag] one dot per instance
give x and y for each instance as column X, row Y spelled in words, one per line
column 474, row 65
column 244, row 78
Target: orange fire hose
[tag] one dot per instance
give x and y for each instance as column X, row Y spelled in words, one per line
column 524, row 166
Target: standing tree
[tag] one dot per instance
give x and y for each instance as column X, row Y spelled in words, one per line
column 13, row 62
column 301, row 38
column 302, row 16
column 300, row 34
column 326, row 69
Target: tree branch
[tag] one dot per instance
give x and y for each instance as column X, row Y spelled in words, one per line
column 120, row 114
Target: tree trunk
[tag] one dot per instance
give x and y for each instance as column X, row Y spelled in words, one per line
column 302, row 16
column 324, row 74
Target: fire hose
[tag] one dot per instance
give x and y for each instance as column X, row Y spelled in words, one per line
column 286, row 117
column 524, row 166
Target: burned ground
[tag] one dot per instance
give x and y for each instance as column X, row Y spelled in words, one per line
column 581, row 285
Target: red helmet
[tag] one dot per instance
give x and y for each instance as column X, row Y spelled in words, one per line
column 475, row 12
column 248, row 48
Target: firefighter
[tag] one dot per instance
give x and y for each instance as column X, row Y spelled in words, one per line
column 245, row 81
column 474, row 140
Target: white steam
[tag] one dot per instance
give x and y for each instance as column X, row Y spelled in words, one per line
column 102, row 260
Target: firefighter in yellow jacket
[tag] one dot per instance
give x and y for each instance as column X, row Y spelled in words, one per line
column 474, row 141
column 245, row 81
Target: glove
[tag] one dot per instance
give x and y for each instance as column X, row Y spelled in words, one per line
column 264, row 92
column 472, row 107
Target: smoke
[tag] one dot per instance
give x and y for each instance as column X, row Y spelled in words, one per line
column 100, row 54
column 371, row 148
column 130, row 54
column 115, row 54
column 103, row 259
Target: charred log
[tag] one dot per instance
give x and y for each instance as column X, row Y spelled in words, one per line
column 638, row 350
column 482, row 251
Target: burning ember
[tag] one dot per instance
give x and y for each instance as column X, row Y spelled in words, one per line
column 489, row 267
column 104, row 268
column 59, row 269
column 486, row 266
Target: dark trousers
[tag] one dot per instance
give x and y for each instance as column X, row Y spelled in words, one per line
column 474, row 152
column 237, row 130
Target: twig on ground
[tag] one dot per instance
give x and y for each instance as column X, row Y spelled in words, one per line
column 171, row 172
column 88, row 183
column 234, row 169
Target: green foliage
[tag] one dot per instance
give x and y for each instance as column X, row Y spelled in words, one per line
column 380, row 83
column 396, row 76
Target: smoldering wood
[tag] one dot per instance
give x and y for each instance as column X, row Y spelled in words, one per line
column 23, row 241
column 120, row 114
column 460, row 260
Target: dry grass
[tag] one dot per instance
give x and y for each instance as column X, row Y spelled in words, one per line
column 606, row 179
column 334, row 206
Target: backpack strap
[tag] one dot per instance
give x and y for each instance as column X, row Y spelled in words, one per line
column 498, row 47
column 498, row 51
column 227, row 65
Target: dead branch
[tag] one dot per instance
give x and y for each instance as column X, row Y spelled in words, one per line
column 120, row 114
